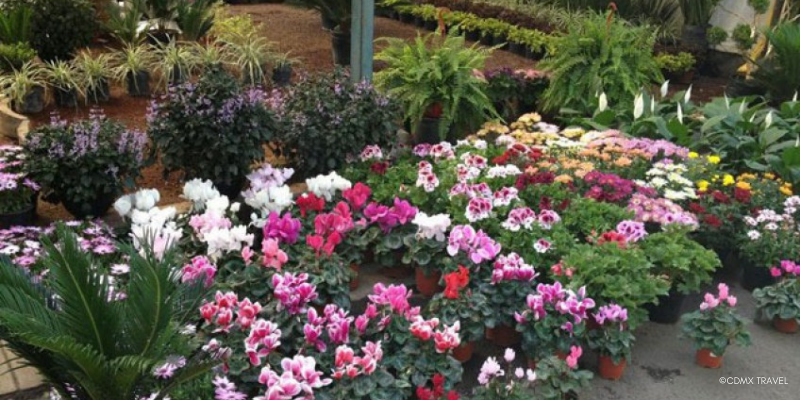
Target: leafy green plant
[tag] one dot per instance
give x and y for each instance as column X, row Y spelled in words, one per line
column 686, row 264
column 612, row 339
column 175, row 61
column 162, row 11
column 600, row 55
column 340, row 12
column 716, row 325
column 436, row 72
column 108, row 155
column 195, row 18
column 324, row 118
column 124, row 22
column 781, row 300
column 14, row 56
column 92, row 348
column 229, row 28
column 616, row 275
column 675, row 63
column 459, row 303
column 96, row 71
column 15, row 24
column 60, row 27
column 557, row 380
column 16, row 85
column 666, row 14
column 743, row 36
column 64, row 76
column 697, row 12
column 251, row 55
column 195, row 130
column 778, row 75
column 132, row 59
column 716, row 35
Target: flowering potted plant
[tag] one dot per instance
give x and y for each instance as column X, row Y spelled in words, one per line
column 558, row 378
column 18, row 193
column 359, row 375
column 552, row 321
column 714, row 327
column 613, row 340
column 780, row 302
column 437, row 392
column 504, row 383
column 426, row 250
column 771, row 236
column 394, row 224
column 510, row 283
column 685, row 264
column 460, row 303
column 108, row 155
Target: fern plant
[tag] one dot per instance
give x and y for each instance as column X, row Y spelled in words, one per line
column 778, row 75
column 88, row 346
column 436, row 71
column 601, row 54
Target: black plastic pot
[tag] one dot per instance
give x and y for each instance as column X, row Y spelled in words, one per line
column 282, row 76
column 341, row 48
column 138, row 84
column 534, row 54
column 500, row 40
column 487, row 39
column 473, row 35
column 516, row 48
column 65, row 98
column 428, row 131
column 327, row 23
column 755, row 277
column 230, row 189
column 20, row 218
column 32, row 103
column 99, row 94
column 96, row 208
column 176, row 77
column 394, row 15
column 157, row 38
column 406, row 18
column 668, row 309
column 431, row 25
column 419, row 22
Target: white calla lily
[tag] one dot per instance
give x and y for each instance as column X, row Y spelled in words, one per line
column 688, row 95
column 638, row 106
column 664, row 88
column 680, row 114
column 602, row 102
column 768, row 119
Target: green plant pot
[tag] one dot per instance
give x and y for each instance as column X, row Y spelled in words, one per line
column 341, row 48
column 138, row 84
column 66, row 98
column 32, row 103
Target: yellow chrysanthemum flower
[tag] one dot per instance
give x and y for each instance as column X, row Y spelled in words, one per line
column 743, row 185
column 786, row 189
column 702, row 186
column 693, row 154
column 769, row 175
column 714, row 159
column 728, row 180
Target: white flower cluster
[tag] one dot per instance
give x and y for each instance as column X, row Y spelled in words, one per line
column 327, row 185
column 199, row 191
column 149, row 224
column 432, row 227
column 265, row 201
column 503, row 171
column 141, row 201
column 669, row 180
column 225, row 240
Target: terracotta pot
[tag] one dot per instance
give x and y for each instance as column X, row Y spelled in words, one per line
column 354, row 282
column 608, row 370
column 503, row 336
column 785, row 325
column 706, row 359
column 427, row 285
column 464, row 352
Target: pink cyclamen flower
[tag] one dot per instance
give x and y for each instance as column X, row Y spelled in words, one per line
column 274, row 257
column 574, row 354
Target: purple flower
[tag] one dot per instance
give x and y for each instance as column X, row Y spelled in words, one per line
column 285, row 229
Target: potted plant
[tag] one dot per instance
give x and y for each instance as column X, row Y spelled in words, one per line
column 96, row 71
column 510, row 284
column 234, row 140
column 686, row 265
column 132, row 66
column 282, row 69
column 559, row 377
column 552, row 321
column 461, row 303
column 780, row 302
column 14, row 56
column 337, row 15
column 437, row 391
column 426, row 254
column 470, row 28
column 175, row 62
column 25, row 88
column 612, row 339
column 108, row 155
column 251, row 55
column 65, row 78
column 496, row 382
column 677, row 67
column 18, row 193
column 433, row 79
column 768, row 237
column 714, row 327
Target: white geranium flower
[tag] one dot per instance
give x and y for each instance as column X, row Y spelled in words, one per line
column 146, row 199
column 327, row 185
column 432, row 227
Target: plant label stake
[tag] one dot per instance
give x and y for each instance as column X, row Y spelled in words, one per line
column 362, row 28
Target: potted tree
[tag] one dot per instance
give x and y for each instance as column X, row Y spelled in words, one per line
column 108, row 155
column 133, row 65
column 18, row 193
column 714, row 327
column 25, row 88
column 433, row 79
column 685, row 263
column 780, row 302
column 65, row 79
column 96, row 72
column 461, row 302
column 612, row 339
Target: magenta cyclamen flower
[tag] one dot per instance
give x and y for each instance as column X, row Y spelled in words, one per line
column 710, row 302
column 226, row 390
column 787, row 267
column 478, row 208
column 556, row 299
column 200, row 268
column 512, row 268
column 478, row 246
column 522, row 217
column 263, row 339
column 284, row 228
column 611, row 313
column 293, row 292
column 298, row 380
column 394, row 296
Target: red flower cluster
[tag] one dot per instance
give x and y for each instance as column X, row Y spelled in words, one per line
column 517, row 151
column 310, row 202
column 379, row 167
column 539, row 178
column 455, row 281
column 437, row 393
column 613, row 237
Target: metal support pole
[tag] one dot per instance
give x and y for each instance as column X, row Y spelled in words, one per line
column 362, row 31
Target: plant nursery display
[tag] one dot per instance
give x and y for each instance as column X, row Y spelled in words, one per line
column 780, row 302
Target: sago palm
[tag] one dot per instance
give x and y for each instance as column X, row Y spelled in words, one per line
column 87, row 346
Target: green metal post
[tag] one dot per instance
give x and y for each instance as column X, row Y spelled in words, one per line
column 362, row 31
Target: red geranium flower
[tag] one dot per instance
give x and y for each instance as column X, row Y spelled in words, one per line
column 455, row 281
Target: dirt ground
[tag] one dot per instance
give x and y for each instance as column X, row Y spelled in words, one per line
column 299, row 32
